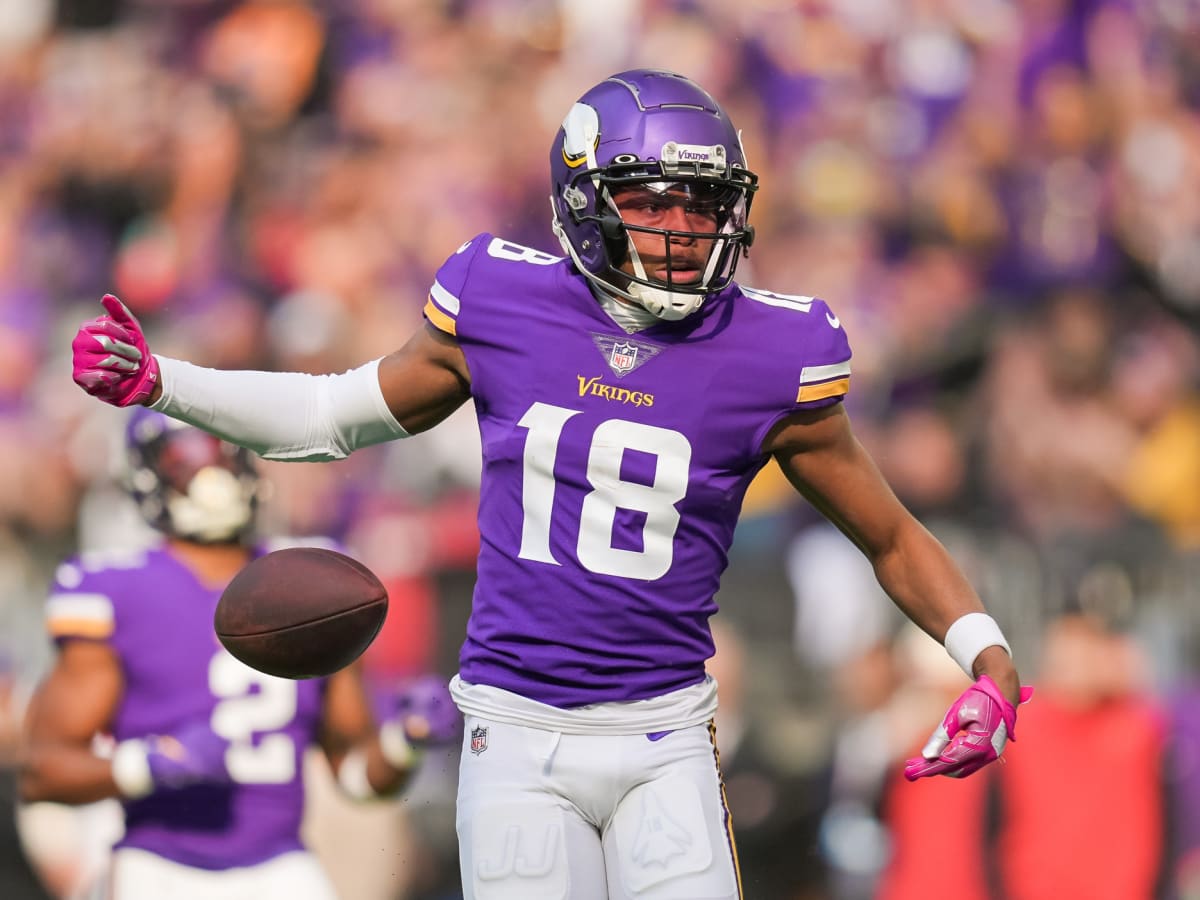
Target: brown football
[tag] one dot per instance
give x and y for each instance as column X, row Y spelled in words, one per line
column 301, row 612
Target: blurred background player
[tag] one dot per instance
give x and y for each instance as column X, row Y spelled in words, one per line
column 627, row 394
column 143, row 703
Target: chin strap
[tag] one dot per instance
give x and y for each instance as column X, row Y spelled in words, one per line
column 667, row 305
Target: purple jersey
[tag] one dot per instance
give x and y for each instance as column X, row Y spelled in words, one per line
column 614, row 466
column 158, row 619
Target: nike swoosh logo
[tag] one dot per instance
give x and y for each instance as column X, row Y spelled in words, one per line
column 834, row 321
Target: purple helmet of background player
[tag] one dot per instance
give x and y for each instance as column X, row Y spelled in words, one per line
column 659, row 129
column 188, row 483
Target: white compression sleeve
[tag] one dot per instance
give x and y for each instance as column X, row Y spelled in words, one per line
column 131, row 769
column 281, row 415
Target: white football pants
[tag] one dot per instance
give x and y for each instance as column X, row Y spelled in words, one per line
column 544, row 815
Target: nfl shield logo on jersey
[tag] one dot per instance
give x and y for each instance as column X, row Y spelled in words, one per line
column 478, row 739
column 623, row 357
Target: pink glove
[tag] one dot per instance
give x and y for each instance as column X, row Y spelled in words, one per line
column 112, row 361
column 972, row 735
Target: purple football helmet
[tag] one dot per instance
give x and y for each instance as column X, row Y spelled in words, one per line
column 662, row 131
column 188, row 483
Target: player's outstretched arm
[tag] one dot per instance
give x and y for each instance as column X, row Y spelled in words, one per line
column 279, row 415
column 425, row 380
column 826, row 463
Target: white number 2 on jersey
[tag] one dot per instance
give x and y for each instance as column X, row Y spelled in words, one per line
column 241, row 712
column 609, row 493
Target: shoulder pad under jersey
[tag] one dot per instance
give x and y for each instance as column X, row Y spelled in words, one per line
column 485, row 257
column 825, row 374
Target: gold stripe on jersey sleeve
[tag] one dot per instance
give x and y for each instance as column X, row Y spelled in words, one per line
column 86, row 628
column 440, row 320
column 810, row 392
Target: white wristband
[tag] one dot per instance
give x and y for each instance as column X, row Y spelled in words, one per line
column 352, row 776
column 131, row 769
column 969, row 636
column 396, row 748
column 399, row 753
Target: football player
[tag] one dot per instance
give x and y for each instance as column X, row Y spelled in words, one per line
column 206, row 753
column 626, row 394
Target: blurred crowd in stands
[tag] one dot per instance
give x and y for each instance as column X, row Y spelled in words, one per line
column 1000, row 199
